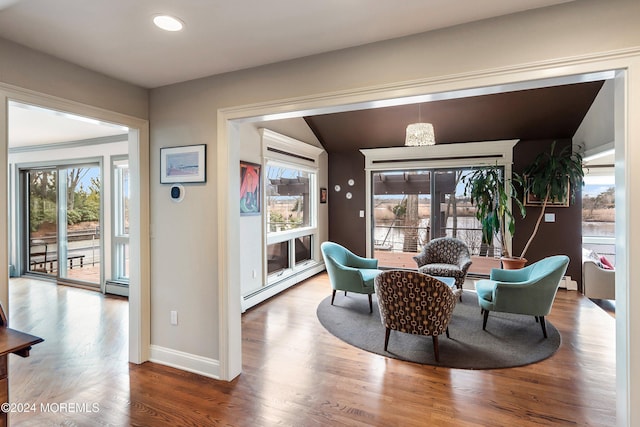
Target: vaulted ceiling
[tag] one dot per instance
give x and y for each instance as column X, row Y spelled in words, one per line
column 533, row 114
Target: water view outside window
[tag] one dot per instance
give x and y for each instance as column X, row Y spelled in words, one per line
column 412, row 207
column 598, row 214
column 288, row 198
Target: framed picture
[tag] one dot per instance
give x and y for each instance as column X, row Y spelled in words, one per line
column 531, row 200
column 183, row 164
column 249, row 188
column 323, row 195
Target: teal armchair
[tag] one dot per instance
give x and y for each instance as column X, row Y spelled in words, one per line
column 348, row 272
column 530, row 290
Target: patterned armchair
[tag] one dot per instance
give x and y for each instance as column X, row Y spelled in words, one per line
column 447, row 257
column 414, row 303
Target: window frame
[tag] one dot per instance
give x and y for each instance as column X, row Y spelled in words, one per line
column 598, row 240
column 120, row 239
column 472, row 154
column 282, row 151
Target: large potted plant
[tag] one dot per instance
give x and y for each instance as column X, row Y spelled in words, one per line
column 494, row 198
column 553, row 177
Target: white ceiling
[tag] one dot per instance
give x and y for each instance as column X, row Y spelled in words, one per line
column 30, row 125
column 117, row 37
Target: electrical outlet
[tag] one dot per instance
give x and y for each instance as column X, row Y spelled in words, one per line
column 254, row 273
column 174, row 317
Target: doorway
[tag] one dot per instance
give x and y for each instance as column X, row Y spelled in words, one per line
column 133, row 135
column 228, row 119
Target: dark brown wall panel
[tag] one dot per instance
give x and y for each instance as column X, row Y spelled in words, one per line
column 564, row 236
column 345, row 225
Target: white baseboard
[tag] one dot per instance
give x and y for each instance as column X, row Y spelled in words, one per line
column 568, row 284
column 185, row 361
column 269, row 291
column 117, row 289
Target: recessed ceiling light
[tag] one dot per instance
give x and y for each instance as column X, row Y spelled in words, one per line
column 168, row 23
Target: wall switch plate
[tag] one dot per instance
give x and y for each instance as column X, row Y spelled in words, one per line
column 549, row 217
column 361, row 214
column 174, row 317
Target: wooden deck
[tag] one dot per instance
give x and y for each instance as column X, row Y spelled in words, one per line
column 480, row 265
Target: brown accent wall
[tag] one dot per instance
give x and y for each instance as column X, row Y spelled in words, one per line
column 564, row 236
column 345, row 225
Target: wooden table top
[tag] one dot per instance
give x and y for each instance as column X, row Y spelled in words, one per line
column 12, row 341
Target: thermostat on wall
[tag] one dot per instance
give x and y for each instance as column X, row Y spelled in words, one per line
column 177, row 192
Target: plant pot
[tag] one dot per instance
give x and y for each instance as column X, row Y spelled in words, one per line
column 513, row 263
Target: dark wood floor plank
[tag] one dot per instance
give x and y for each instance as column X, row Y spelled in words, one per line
column 297, row 374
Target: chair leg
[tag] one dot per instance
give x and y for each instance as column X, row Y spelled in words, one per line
column 484, row 320
column 345, row 293
column 448, row 332
column 370, row 305
column 544, row 326
column 536, row 318
column 460, row 287
column 333, row 296
column 386, row 338
column 435, row 348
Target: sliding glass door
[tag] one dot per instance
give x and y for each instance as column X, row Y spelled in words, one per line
column 63, row 216
column 412, row 207
column 42, row 240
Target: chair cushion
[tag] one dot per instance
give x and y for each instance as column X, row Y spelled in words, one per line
column 485, row 288
column 368, row 276
column 446, row 270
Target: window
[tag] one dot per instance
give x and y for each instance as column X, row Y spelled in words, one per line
column 415, row 197
column 288, row 198
column 63, row 205
column 599, row 212
column 404, row 217
column 291, row 205
column 121, row 195
column 303, row 249
column 291, row 211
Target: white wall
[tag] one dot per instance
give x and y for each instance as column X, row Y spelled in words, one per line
column 597, row 127
column 30, row 69
column 251, row 230
column 98, row 152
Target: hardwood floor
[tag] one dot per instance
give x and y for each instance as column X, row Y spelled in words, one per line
column 295, row 373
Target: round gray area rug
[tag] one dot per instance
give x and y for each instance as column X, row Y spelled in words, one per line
column 509, row 340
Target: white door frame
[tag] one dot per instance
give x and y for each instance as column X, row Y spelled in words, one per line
column 139, row 256
column 627, row 146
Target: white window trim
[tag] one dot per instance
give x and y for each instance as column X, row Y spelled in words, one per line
column 486, row 153
column 118, row 239
column 281, row 150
